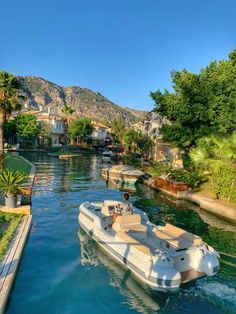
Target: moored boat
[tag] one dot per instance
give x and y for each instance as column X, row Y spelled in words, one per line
column 163, row 257
column 106, row 156
column 121, row 173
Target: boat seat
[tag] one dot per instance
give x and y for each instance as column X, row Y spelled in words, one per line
column 174, row 239
column 138, row 228
column 131, row 224
column 194, row 239
column 129, row 219
column 171, row 239
column 137, row 245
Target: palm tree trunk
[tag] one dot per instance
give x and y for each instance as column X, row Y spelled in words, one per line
column 1, row 133
column 2, row 119
column 65, row 137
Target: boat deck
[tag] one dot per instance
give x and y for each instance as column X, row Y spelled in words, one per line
column 157, row 240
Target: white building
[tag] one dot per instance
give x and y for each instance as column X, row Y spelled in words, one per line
column 151, row 126
column 101, row 134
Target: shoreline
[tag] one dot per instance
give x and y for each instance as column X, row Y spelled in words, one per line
column 13, row 253
column 225, row 212
column 11, row 260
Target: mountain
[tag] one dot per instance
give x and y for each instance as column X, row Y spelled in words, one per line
column 48, row 97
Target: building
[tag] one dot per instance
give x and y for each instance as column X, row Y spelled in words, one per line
column 101, row 135
column 161, row 151
column 52, row 126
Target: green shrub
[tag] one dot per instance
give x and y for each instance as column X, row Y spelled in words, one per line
column 132, row 159
column 160, row 168
column 224, row 182
column 193, row 179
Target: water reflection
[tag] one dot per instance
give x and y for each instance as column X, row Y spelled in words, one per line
column 121, row 185
column 139, row 297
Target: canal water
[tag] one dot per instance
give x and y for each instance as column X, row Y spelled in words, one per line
column 64, row 271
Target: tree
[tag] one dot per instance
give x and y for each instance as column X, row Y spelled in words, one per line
column 44, row 132
column 9, row 100
column 9, row 129
column 67, row 117
column 200, row 104
column 118, row 128
column 26, row 126
column 136, row 142
column 144, row 143
column 80, row 129
column 130, row 140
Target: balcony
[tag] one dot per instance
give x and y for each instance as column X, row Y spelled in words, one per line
column 58, row 130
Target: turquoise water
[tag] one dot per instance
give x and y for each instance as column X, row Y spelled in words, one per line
column 65, row 272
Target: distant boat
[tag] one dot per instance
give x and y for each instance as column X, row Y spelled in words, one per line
column 121, row 173
column 106, row 156
column 163, row 257
column 67, row 156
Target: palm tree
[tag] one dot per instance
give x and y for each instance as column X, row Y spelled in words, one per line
column 214, row 152
column 9, row 100
column 67, row 117
column 217, row 155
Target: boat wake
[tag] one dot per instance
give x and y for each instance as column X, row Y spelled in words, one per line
column 217, row 293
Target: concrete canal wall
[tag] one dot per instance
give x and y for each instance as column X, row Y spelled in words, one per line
column 11, row 260
column 226, row 212
column 12, row 256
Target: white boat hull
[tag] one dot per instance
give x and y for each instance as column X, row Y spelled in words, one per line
column 160, row 271
column 121, row 173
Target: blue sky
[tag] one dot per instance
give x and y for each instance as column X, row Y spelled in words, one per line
column 122, row 48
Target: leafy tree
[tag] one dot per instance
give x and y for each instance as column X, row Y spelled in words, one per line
column 136, row 142
column 80, row 129
column 118, row 128
column 9, row 99
column 144, row 143
column 44, row 132
column 9, row 129
column 67, row 117
column 200, row 104
column 130, row 140
column 26, row 126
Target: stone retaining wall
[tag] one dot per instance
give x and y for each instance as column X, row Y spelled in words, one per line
column 11, row 260
column 223, row 211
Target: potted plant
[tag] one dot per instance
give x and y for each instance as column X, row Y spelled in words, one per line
column 11, row 185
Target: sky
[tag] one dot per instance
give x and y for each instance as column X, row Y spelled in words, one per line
column 121, row 48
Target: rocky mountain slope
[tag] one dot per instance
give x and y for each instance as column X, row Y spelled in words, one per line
column 46, row 96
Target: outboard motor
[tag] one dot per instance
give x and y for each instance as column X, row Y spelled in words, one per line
column 210, row 263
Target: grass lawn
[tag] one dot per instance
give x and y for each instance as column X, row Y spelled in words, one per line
column 8, row 225
column 15, row 162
